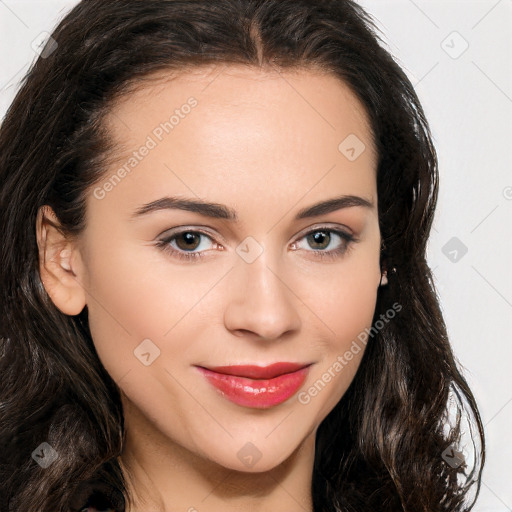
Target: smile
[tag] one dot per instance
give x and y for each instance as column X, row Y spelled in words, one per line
column 255, row 386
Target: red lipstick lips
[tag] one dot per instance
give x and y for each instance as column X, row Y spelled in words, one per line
column 256, row 386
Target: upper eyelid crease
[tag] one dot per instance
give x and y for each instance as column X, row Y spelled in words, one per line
column 342, row 231
column 348, row 239
column 219, row 211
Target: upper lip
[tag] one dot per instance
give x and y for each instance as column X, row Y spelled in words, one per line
column 258, row 372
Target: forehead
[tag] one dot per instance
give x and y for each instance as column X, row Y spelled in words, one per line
column 230, row 96
column 223, row 132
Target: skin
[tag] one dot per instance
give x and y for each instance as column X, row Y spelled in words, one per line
column 265, row 144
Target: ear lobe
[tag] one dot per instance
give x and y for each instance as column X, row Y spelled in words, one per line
column 56, row 261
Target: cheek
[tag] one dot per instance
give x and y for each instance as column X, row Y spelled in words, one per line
column 140, row 297
column 352, row 304
column 345, row 304
column 124, row 303
column 346, row 301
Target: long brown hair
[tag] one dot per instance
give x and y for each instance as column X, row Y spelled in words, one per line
column 383, row 446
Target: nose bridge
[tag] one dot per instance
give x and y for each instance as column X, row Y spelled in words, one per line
column 260, row 300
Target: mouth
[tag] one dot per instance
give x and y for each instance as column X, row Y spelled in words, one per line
column 259, row 387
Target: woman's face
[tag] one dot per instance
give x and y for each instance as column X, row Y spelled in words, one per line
column 175, row 289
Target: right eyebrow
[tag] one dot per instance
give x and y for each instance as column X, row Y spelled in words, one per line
column 214, row 210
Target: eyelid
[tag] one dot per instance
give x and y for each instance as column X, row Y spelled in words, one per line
column 327, row 226
column 168, row 233
column 349, row 239
column 164, row 243
column 205, row 231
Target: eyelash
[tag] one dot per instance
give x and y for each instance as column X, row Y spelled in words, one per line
column 348, row 240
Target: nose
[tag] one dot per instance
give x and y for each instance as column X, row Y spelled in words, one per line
column 260, row 303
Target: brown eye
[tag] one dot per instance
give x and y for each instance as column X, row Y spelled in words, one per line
column 188, row 240
column 187, row 245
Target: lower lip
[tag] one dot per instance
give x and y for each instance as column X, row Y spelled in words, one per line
column 258, row 394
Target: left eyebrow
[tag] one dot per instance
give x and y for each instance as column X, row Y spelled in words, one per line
column 220, row 211
column 331, row 205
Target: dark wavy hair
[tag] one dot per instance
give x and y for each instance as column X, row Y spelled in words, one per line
column 382, row 447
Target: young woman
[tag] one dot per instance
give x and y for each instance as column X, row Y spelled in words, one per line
column 214, row 290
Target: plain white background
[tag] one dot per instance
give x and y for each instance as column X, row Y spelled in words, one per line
column 457, row 54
